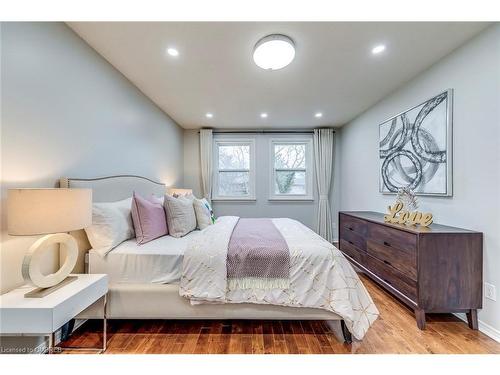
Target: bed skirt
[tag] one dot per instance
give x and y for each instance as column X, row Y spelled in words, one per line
column 162, row 301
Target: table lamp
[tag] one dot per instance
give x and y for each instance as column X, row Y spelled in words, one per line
column 179, row 191
column 51, row 212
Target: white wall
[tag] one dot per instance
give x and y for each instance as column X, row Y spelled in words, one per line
column 473, row 71
column 305, row 212
column 67, row 112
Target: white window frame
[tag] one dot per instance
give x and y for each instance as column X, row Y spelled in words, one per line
column 215, row 177
column 309, row 195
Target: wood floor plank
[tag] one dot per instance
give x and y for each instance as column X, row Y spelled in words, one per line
column 267, row 336
column 214, row 337
column 191, row 333
column 225, row 337
column 310, row 337
column 202, row 342
column 300, row 338
column 235, row 345
column 394, row 332
column 279, row 338
column 291, row 344
column 257, row 338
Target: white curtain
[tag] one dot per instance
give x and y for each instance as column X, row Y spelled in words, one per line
column 323, row 162
column 206, row 162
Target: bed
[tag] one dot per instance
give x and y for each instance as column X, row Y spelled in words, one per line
column 144, row 280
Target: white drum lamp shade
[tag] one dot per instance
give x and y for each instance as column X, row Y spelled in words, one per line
column 44, row 211
column 48, row 211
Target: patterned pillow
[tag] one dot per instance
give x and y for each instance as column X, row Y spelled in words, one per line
column 149, row 219
column 181, row 218
column 204, row 213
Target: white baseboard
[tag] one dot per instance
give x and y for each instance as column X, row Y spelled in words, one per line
column 483, row 327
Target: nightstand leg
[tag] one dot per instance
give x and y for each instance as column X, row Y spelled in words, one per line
column 420, row 317
column 105, row 325
column 51, row 343
column 472, row 319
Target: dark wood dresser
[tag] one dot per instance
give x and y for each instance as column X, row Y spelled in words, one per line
column 436, row 269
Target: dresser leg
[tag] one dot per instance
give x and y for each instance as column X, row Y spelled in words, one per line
column 420, row 317
column 472, row 319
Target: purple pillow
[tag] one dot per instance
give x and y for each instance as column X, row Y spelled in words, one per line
column 149, row 219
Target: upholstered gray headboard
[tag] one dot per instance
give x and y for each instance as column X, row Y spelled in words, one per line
column 115, row 188
column 109, row 189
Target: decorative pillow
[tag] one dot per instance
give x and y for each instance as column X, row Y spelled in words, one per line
column 149, row 218
column 204, row 214
column 181, row 218
column 111, row 225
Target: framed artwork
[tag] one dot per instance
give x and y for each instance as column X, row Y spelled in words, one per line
column 415, row 148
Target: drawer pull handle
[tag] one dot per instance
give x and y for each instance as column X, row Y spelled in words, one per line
column 387, row 244
column 351, row 242
column 350, row 228
column 386, row 262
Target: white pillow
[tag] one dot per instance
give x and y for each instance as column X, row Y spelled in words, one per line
column 181, row 218
column 111, row 225
column 203, row 212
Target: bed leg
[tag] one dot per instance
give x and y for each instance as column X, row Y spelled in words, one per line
column 345, row 332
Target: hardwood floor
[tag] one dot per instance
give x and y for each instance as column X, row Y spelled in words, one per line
column 395, row 331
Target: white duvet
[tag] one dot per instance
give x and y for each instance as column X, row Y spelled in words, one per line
column 320, row 276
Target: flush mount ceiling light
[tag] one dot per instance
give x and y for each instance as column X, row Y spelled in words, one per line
column 378, row 49
column 274, row 52
column 318, row 115
column 209, row 115
column 172, row 52
column 263, row 115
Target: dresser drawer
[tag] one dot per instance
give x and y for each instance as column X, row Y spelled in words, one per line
column 353, row 238
column 403, row 261
column 392, row 237
column 393, row 277
column 352, row 224
column 351, row 251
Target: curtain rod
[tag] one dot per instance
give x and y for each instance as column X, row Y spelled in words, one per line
column 263, row 131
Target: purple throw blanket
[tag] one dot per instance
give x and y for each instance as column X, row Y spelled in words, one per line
column 258, row 256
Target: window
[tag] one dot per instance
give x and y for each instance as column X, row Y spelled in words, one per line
column 291, row 172
column 234, row 176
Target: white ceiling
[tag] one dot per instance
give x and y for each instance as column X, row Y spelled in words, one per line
column 333, row 72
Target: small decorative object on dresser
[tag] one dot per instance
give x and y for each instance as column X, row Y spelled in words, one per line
column 404, row 211
column 433, row 269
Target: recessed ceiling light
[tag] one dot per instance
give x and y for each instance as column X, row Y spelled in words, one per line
column 263, row 115
column 209, row 115
column 318, row 115
column 172, row 52
column 378, row 49
column 274, row 52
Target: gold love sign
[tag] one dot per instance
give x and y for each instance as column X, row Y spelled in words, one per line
column 396, row 215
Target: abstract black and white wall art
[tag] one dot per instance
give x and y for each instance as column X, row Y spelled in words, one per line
column 415, row 148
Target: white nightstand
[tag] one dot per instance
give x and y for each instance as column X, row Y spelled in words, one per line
column 22, row 316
